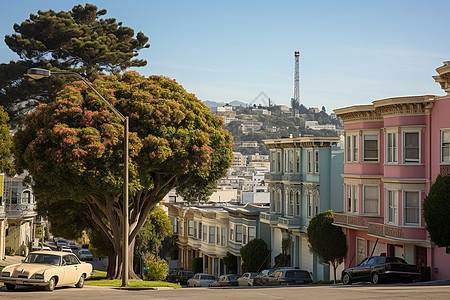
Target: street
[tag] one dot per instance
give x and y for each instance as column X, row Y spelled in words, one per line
column 402, row 291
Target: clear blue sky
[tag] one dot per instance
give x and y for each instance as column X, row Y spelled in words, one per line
column 352, row 52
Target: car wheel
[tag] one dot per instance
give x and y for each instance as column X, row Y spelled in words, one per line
column 80, row 282
column 375, row 278
column 51, row 284
column 10, row 287
column 346, row 279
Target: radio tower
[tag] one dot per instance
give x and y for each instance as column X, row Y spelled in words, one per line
column 296, row 99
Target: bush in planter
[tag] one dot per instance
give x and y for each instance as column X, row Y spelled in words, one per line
column 154, row 268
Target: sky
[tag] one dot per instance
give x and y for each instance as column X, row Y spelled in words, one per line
column 352, row 52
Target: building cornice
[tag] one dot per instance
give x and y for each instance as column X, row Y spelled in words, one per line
column 302, row 142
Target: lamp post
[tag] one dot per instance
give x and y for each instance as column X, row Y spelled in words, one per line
column 37, row 73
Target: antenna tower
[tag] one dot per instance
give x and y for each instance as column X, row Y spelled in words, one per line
column 297, row 79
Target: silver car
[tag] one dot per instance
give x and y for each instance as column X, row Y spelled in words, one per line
column 85, row 254
column 200, row 280
column 247, row 279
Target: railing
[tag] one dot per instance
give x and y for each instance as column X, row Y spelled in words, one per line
column 355, row 220
column 444, row 170
column 289, row 223
column 272, row 176
column 291, row 177
column 20, row 210
column 390, row 231
column 271, row 218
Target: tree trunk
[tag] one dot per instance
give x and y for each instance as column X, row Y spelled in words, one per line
column 334, row 269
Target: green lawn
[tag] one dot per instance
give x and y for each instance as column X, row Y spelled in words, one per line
column 132, row 283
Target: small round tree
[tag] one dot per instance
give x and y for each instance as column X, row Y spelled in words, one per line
column 436, row 211
column 327, row 240
column 255, row 256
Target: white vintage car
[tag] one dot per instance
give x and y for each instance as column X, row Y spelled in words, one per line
column 48, row 269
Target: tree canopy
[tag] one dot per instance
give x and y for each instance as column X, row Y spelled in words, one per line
column 78, row 40
column 5, row 144
column 327, row 240
column 436, row 211
column 73, row 148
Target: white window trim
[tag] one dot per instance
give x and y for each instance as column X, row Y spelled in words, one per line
column 396, row 215
column 352, row 148
column 386, row 149
column 354, row 191
column 311, row 161
column 364, row 200
column 441, row 140
column 418, row 210
column 418, row 131
column 378, row 147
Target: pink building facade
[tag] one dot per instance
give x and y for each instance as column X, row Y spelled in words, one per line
column 394, row 149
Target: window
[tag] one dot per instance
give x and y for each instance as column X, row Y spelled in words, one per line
column 291, row 160
column 239, row 233
column 212, row 234
column 297, row 203
column 411, row 201
column 273, row 162
column 175, row 225
column 26, row 197
column 391, row 148
column 371, row 200
column 196, row 229
column 316, row 205
column 245, row 232
column 190, row 227
column 445, row 146
column 272, row 201
column 351, row 195
column 291, row 203
column 223, row 236
column 278, row 202
column 351, row 148
column 312, row 161
column 231, row 233
column 205, row 233
column 392, row 205
column 199, row 230
column 370, row 147
column 251, row 233
column 181, row 227
column 297, row 161
column 411, row 149
column 218, row 235
column 310, row 199
column 278, row 162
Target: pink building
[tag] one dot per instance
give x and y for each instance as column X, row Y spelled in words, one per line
column 394, row 149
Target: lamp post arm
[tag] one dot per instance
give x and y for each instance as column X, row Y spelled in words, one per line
column 121, row 117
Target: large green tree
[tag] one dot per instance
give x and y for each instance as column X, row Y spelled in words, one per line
column 327, row 240
column 436, row 211
column 78, row 40
column 5, row 144
column 73, row 148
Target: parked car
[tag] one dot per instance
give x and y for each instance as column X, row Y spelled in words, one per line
column 247, row 279
column 378, row 269
column 85, row 254
column 60, row 243
column 289, row 276
column 183, row 276
column 263, row 277
column 171, row 274
column 226, row 280
column 200, row 280
column 48, row 269
column 65, row 249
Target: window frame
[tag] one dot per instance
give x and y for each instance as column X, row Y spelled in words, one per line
column 393, row 206
column 445, row 130
column 411, row 161
column 391, row 136
column 372, row 159
column 353, row 200
column 237, row 240
column 364, row 200
column 419, row 205
column 212, row 234
column 352, row 148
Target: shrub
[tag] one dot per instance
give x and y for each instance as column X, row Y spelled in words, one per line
column 197, row 264
column 155, row 269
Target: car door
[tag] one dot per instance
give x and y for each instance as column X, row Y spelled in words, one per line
column 358, row 271
column 70, row 270
column 274, row 279
column 366, row 270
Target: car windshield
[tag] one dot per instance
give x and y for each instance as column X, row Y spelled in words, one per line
column 208, row 277
column 395, row 260
column 40, row 258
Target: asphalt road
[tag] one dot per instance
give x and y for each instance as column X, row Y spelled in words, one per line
column 328, row 292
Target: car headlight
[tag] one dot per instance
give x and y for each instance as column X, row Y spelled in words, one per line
column 39, row 276
column 6, row 274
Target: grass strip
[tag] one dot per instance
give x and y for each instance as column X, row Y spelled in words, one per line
column 132, row 283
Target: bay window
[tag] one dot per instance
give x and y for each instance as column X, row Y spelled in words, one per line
column 351, row 196
column 370, row 148
column 392, row 206
column 411, row 147
column 411, row 207
column 351, row 148
column 391, row 147
column 371, row 200
column 445, row 146
column 212, row 234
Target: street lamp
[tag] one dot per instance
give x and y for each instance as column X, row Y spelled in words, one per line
column 37, row 73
